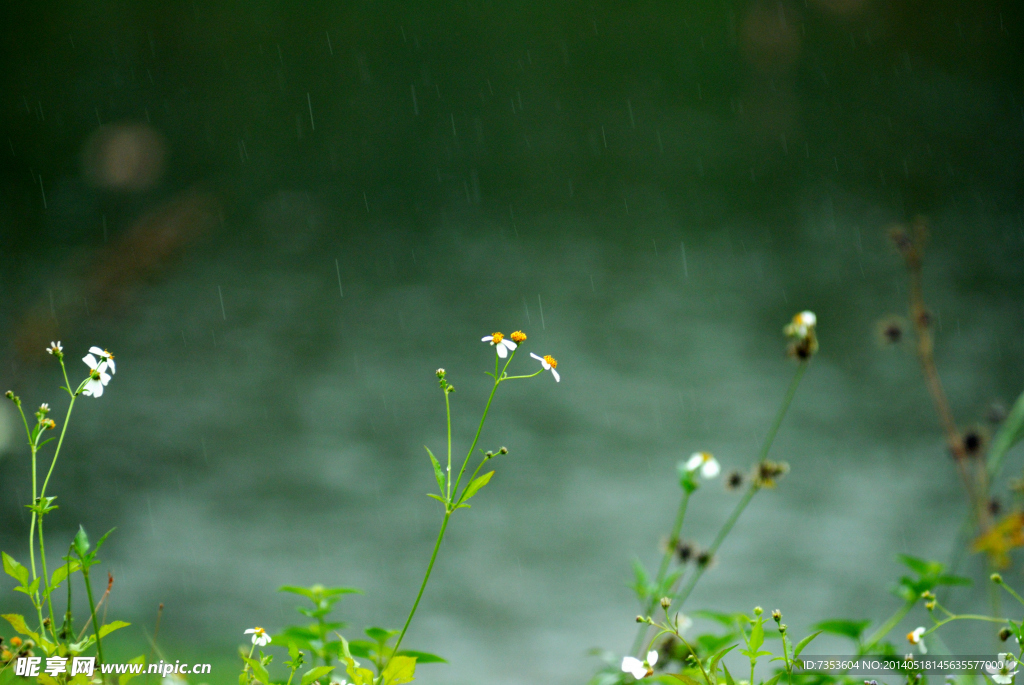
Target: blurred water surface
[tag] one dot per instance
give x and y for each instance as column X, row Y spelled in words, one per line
column 283, row 220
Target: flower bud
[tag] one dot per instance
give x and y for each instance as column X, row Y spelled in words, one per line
column 758, row 611
column 783, row 627
column 503, row 450
column 777, row 615
column 639, row 618
column 666, row 602
column 440, row 373
column 930, row 605
column 996, row 578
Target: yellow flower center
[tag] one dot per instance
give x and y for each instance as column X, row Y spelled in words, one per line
column 259, row 631
column 107, row 355
column 912, row 638
column 518, row 337
column 497, row 338
column 551, row 360
column 705, row 456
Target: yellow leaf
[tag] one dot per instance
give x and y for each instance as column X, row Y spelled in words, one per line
column 400, row 670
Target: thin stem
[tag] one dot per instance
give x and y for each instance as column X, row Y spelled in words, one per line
column 63, row 430
column 46, row 582
column 666, row 559
column 92, row 610
column 448, row 473
column 479, row 429
column 423, row 585
column 1013, row 593
column 886, row 627
column 722, row 533
column 786, row 401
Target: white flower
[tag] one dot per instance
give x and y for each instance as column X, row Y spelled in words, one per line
column 335, row 680
column 549, row 363
column 1004, row 675
column 708, row 465
column 915, row 637
column 640, row 669
column 259, row 636
column 802, row 324
column 104, row 356
column 98, row 376
column 502, row 344
column 54, row 348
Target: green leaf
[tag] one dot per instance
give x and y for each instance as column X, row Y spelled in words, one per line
column 112, row 626
column 141, row 659
column 756, row 638
column 1008, row 435
column 400, row 670
column 315, row 673
column 380, row 634
column 438, row 498
column 14, row 569
column 258, row 670
column 727, row 620
column 475, row 486
column 953, row 580
column 683, row 678
column 728, row 676
column 359, row 676
column 81, row 542
column 423, row 657
column 774, row 679
column 46, row 679
column 17, row 622
column 922, row 567
column 845, row 627
column 717, row 656
column 62, row 572
column 31, row 589
column 437, row 470
column 806, row 641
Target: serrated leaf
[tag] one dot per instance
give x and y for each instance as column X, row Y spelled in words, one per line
column 400, row 670
column 112, row 626
column 437, row 470
column 62, row 572
column 141, row 659
column 17, row 622
column 14, row 569
column 806, row 641
column 717, row 656
column 314, row 673
column 423, row 657
column 475, row 486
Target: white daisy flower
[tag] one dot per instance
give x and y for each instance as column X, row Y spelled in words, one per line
column 98, row 376
column 1003, row 675
column 54, row 348
column 640, row 669
column 549, row 363
column 708, row 465
column 916, row 637
column 259, row 636
column 502, row 344
column 104, row 356
column 801, row 325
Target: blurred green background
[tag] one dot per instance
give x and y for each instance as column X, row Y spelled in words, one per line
column 282, row 217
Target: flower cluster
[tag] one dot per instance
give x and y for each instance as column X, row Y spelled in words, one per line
column 503, row 345
column 98, row 376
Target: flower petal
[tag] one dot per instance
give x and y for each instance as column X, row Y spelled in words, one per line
column 630, row 664
column 90, row 361
column 95, row 350
column 502, row 351
column 487, row 338
column 652, row 657
column 694, row 462
column 249, row 631
column 509, row 344
column 555, row 374
column 710, row 468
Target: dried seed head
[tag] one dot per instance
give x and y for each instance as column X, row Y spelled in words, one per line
column 705, row 559
column 734, row 480
column 686, row 551
column 1004, row 634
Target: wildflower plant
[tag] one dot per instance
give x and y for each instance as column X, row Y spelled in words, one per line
column 42, row 633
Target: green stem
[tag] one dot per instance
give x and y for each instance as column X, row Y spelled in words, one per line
column 713, row 549
column 63, row 430
column 46, row 582
column 448, row 473
column 786, row 401
column 92, row 611
column 886, row 627
column 423, row 585
column 479, row 429
column 1013, row 593
column 666, row 559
